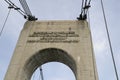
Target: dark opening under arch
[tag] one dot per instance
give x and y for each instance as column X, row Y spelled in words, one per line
column 48, row 55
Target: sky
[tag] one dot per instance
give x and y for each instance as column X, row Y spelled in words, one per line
column 65, row 10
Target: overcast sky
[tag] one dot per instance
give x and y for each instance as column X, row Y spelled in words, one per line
column 65, row 10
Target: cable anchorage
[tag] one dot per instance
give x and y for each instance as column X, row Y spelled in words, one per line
column 29, row 17
column 84, row 10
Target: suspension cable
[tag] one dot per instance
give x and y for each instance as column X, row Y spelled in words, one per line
column 82, row 6
column 25, row 14
column 5, row 22
column 110, row 45
column 27, row 10
column 41, row 73
column 84, row 9
column 25, row 7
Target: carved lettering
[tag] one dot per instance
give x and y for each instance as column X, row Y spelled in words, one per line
column 53, row 37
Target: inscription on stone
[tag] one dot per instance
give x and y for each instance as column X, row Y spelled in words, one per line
column 53, row 37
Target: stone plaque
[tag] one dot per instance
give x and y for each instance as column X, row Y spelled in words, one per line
column 54, row 37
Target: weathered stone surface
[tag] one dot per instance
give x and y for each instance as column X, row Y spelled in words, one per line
column 68, row 42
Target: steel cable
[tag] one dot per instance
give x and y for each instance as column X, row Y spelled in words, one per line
column 110, row 45
column 5, row 22
column 41, row 73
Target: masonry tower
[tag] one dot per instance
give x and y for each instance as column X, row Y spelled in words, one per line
column 68, row 42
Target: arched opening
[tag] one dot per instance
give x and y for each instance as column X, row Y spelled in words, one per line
column 54, row 71
column 45, row 56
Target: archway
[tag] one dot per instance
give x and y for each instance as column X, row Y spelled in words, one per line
column 48, row 55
